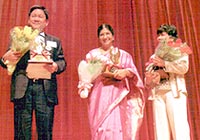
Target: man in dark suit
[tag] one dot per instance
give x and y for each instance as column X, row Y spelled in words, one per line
column 30, row 94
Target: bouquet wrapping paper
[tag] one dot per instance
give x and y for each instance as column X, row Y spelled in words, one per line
column 89, row 70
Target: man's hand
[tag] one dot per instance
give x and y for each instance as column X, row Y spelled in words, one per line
column 12, row 56
column 158, row 61
column 51, row 68
column 163, row 74
column 152, row 79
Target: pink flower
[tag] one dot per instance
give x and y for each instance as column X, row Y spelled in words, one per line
column 175, row 44
column 186, row 49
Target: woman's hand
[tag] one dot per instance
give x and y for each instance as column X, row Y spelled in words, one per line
column 120, row 74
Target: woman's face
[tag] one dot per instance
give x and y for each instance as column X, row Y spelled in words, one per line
column 37, row 19
column 106, row 38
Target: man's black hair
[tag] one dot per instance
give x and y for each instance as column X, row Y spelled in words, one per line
column 39, row 7
column 169, row 29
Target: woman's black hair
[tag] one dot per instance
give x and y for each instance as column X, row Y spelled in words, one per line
column 107, row 26
column 41, row 8
column 169, row 29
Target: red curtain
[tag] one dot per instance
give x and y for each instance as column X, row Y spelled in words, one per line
column 75, row 22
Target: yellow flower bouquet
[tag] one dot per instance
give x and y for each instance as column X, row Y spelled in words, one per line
column 21, row 39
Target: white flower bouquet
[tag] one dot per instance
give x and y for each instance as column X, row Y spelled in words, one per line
column 89, row 70
column 21, row 39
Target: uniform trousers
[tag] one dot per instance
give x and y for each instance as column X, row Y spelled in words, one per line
column 34, row 100
column 170, row 117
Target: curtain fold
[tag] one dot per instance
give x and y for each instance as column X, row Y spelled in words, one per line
column 75, row 22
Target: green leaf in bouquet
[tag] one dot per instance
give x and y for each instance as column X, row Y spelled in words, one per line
column 94, row 68
column 172, row 54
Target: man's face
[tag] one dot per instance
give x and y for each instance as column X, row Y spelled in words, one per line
column 162, row 36
column 37, row 19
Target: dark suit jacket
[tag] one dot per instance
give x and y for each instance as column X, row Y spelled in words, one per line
column 20, row 81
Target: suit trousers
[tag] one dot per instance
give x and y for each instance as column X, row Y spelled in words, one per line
column 34, row 100
column 170, row 117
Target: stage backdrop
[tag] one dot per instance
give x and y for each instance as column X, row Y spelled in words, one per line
column 75, row 22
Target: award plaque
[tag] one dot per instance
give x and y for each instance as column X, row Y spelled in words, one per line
column 39, row 60
column 37, row 70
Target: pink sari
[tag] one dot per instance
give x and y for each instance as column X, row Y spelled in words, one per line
column 116, row 110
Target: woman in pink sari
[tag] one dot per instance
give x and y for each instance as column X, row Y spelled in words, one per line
column 116, row 99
